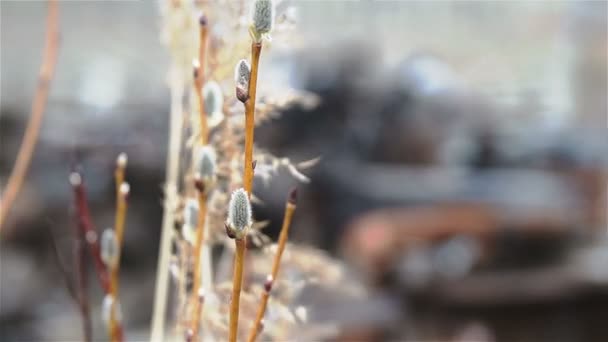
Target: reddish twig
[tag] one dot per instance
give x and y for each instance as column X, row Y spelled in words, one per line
column 87, row 229
column 82, row 284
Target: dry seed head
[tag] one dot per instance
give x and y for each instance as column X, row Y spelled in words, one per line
column 263, row 17
column 239, row 214
column 109, row 248
column 242, row 73
column 214, row 98
column 121, row 161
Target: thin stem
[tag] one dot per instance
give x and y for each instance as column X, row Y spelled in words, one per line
column 88, row 231
column 61, row 266
column 115, row 326
column 173, row 153
column 239, row 259
column 290, row 208
column 82, row 285
column 199, row 81
column 237, row 283
column 74, row 293
column 26, row 150
column 256, row 50
column 182, row 311
column 195, row 301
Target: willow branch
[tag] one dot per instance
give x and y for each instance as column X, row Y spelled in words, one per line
column 290, row 208
column 32, row 131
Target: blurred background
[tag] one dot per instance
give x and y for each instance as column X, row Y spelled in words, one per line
column 463, row 176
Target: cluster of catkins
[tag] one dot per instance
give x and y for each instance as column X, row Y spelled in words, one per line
column 214, row 196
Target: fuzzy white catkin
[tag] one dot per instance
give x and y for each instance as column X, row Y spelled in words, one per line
column 242, row 73
column 75, row 179
column 205, row 162
column 125, row 188
column 190, row 220
column 106, row 309
column 263, row 16
column 239, row 211
column 191, row 213
column 214, row 98
column 109, row 248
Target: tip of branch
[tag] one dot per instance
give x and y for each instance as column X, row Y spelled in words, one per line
column 202, row 20
column 121, row 161
column 75, row 179
column 293, row 196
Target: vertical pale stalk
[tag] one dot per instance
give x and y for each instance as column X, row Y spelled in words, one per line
column 173, row 153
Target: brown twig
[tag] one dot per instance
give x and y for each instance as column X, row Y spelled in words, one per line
column 199, row 80
column 237, row 283
column 26, row 150
column 237, row 280
column 196, row 303
column 290, row 208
